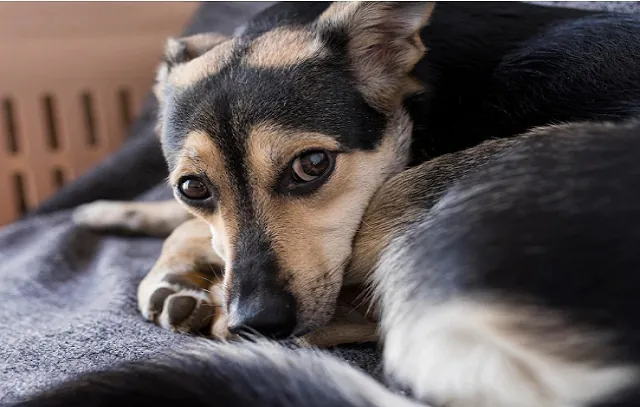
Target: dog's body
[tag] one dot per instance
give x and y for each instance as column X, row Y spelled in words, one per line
column 514, row 285
column 505, row 269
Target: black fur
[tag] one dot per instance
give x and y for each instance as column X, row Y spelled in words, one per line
column 245, row 375
column 566, row 210
column 468, row 99
column 545, row 222
column 318, row 96
column 552, row 219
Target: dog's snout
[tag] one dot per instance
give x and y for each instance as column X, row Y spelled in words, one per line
column 267, row 314
column 258, row 301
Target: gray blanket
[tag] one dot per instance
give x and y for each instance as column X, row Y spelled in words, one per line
column 68, row 295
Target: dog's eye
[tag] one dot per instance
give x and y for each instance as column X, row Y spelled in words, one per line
column 194, row 189
column 310, row 166
column 307, row 172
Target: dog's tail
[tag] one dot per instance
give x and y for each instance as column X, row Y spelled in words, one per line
column 225, row 375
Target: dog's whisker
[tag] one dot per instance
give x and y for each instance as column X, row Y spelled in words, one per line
column 216, row 271
column 250, row 333
column 208, row 280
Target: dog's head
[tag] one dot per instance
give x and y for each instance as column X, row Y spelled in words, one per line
column 279, row 139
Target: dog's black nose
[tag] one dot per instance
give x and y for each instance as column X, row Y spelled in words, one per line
column 270, row 315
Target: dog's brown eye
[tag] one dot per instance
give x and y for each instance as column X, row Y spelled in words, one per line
column 194, row 189
column 310, row 166
column 307, row 172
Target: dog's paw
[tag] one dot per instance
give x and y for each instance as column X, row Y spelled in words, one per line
column 146, row 218
column 179, row 304
column 107, row 215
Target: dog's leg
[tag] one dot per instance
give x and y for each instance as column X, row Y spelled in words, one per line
column 337, row 333
column 355, row 321
column 466, row 349
column 183, row 289
column 148, row 218
column 513, row 286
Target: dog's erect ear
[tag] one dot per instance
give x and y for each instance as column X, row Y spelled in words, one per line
column 383, row 44
column 178, row 51
column 181, row 50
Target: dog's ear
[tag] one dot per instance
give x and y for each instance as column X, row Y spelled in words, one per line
column 383, row 43
column 181, row 50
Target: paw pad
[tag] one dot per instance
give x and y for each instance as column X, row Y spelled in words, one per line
column 180, row 309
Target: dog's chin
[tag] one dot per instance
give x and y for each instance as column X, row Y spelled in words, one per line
column 312, row 323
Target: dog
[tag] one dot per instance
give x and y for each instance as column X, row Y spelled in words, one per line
column 476, row 62
column 508, row 278
column 478, row 252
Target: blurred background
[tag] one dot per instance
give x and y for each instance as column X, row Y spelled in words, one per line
column 72, row 78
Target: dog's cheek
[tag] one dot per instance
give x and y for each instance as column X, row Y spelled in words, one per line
column 314, row 249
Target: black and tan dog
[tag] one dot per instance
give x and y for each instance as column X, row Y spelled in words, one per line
column 505, row 269
column 507, row 276
column 276, row 139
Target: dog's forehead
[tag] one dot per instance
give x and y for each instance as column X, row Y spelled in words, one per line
column 251, row 88
column 279, row 47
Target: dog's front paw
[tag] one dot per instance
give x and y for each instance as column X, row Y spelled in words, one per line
column 148, row 218
column 106, row 215
column 186, row 303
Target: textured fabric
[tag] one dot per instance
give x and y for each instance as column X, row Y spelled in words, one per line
column 68, row 296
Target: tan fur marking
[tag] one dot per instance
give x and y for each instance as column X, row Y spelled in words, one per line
column 198, row 44
column 388, row 209
column 200, row 154
column 537, row 328
column 283, row 47
column 189, row 243
column 353, row 322
column 205, row 65
column 271, row 148
column 193, row 46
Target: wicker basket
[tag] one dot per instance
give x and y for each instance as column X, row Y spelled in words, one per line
column 72, row 77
